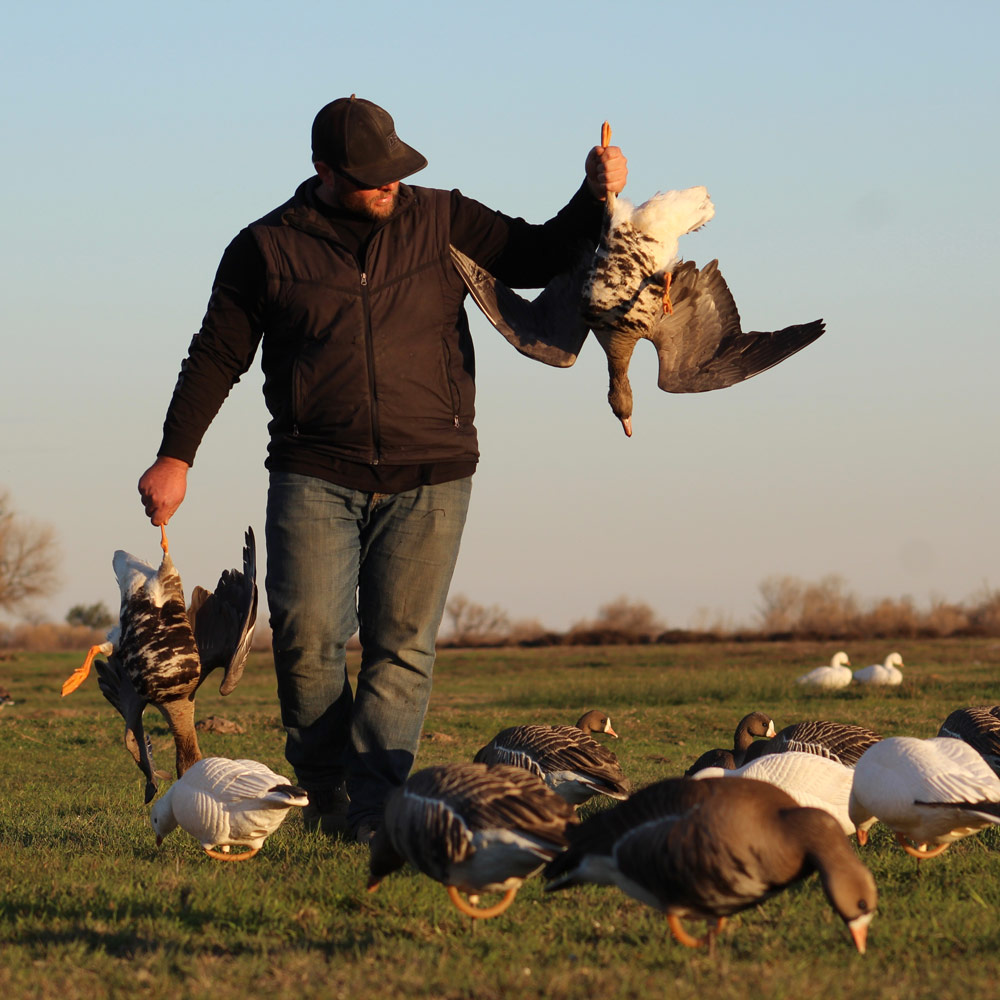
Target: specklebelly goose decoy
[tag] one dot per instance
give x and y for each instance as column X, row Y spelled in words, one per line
column 811, row 780
column 567, row 758
column 754, row 724
column 166, row 651
column 980, row 728
column 885, row 674
column 475, row 828
column 5, row 698
column 840, row 741
column 930, row 793
column 226, row 803
column 631, row 287
column 836, row 675
column 711, row 848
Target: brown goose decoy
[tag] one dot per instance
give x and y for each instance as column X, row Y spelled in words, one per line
column 474, row 828
column 839, row 741
column 630, row 287
column 754, row 724
column 710, row 848
column 980, row 728
column 165, row 651
column 567, row 758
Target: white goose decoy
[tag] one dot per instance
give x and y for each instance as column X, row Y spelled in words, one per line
column 809, row 779
column 632, row 287
column 839, row 741
column 980, row 728
column 475, row 828
column 226, row 803
column 929, row 792
column 164, row 651
column 711, row 848
column 754, row 724
column 836, row 675
column 886, row 674
column 567, row 758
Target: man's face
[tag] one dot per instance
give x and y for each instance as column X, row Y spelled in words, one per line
column 372, row 203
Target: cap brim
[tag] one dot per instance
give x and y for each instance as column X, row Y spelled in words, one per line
column 406, row 161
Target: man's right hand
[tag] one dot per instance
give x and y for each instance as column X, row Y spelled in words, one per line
column 162, row 487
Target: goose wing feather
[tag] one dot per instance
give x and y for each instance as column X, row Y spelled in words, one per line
column 701, row 345
column 223, row 621
column 549, row 751
column 548, row 328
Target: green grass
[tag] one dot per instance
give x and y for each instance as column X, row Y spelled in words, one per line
column 89, row 906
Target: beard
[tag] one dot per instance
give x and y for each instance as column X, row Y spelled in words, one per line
column 376, row 207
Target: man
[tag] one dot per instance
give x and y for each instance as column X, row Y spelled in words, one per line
column 369, row 378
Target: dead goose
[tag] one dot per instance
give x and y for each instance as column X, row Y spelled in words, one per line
column 226, row 803
column 840, row 741
column 754, row 724
column 632, row 287
column 567, row 758
column 474, row 828
column 166, row 651
column 980, row 728
column 708, row 849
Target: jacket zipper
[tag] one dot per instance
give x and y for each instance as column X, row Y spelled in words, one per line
column 370, row 355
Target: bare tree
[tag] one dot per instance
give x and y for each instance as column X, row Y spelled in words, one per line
column 474, row 625
column 28, row 558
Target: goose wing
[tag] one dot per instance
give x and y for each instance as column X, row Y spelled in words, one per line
column 224, row 620
column 557, row 753
column 980, row 728
column 701, row 345
column 548, row 328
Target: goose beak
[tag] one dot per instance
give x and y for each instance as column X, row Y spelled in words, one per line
column 159, row 840
column 627, row 425
column 862, row 836
column 859, row 931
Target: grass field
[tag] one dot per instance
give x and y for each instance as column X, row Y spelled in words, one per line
column 90, row 907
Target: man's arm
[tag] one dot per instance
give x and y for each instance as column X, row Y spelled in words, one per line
column 529, row 256
column 219, row 354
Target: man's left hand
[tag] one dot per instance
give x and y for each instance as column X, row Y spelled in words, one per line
column 607, row 170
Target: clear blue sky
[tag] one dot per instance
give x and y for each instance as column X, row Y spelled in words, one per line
column 852, row 153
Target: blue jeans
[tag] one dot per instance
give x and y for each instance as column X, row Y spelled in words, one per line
column 339, row 560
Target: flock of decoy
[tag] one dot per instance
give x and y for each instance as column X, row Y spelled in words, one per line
column 701, row 845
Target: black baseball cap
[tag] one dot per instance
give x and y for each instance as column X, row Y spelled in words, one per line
column 357, row 139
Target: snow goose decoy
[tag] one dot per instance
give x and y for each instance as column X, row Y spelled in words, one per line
column 840, row 741
column 165, row 651
column 474, row 828
column 836, row 675
column 711, row 848
column 930, row 793
column 810, row 779
column 980, row 728
column 226, row 803
column 754, row 724
column 886, row 674
column 567, row 758
column 632, row 287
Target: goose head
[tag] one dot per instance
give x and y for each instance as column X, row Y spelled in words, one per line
column 596, row 721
